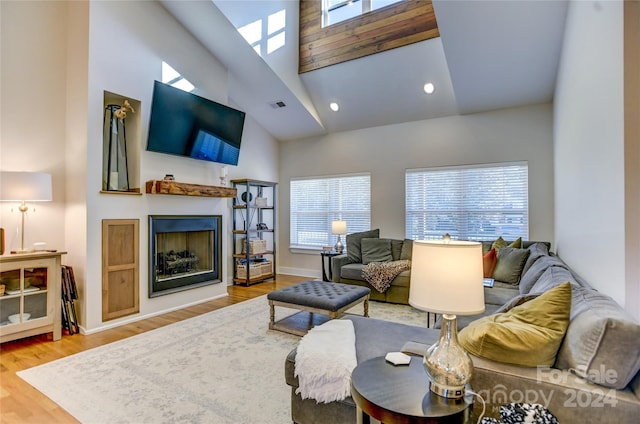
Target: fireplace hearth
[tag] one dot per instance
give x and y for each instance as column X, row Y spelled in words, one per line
column 184, row 252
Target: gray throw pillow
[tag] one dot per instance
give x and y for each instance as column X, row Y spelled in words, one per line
column 407, row 249
column 510, row 263
column 354, row 242
column 396, row 248
column 376, row 250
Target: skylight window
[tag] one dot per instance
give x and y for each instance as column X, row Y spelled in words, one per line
column 334, row 11
column 173, row 78
column 267, row 37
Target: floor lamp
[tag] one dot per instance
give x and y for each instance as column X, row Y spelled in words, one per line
column 25, row 187
column 447, row 278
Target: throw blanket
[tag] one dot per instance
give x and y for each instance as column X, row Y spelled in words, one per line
column 325, row 358
column 381, row 274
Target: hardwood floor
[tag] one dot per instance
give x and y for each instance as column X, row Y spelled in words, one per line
column 21, row 403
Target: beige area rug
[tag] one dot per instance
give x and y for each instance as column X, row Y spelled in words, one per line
column 225, row 366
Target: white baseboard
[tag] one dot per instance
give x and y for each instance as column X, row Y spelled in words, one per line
column 150, row 315
column 301, row 272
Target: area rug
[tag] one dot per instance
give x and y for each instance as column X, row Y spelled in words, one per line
column 221, row 367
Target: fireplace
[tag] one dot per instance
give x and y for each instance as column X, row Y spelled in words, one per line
column 184, row 252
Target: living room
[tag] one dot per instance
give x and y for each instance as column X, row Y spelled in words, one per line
column 59, row 58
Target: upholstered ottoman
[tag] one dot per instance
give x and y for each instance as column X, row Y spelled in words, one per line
column 329, row 299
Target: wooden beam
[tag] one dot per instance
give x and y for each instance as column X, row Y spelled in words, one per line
column 186, row 189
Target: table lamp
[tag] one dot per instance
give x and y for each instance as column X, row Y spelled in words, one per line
column 447, row 278
column 339, row 228
column 25, row 187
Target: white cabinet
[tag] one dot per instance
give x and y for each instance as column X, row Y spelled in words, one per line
column 31, row 301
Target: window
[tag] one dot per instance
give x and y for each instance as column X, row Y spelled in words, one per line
column 469, row 202
column 334, row 11
column 316, row 202
column 173, row 78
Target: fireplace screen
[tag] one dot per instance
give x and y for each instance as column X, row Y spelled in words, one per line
column 184, row 252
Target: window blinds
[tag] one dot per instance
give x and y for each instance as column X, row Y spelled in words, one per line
column 316, row 202
column 470, row 202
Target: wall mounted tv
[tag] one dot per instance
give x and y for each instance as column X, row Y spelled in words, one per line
column 184, row 124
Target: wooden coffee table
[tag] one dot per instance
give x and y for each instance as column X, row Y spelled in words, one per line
column 401, row 394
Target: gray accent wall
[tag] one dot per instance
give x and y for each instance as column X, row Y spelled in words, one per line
column 515, row 134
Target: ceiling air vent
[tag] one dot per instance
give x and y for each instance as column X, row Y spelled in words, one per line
column 277, row 104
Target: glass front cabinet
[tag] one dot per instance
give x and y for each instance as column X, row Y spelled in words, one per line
column 31, row 302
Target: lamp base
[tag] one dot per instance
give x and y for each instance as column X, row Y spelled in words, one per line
column 447, row 364
column 448, row 392
column 339, row 247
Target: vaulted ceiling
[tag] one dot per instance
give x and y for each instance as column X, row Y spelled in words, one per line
column 490, row 55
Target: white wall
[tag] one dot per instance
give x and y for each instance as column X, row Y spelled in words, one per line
column 58, row 59
column 32, row 130
column 501, row 136
column 589, row 147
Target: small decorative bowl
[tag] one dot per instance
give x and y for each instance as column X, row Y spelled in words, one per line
column 15, row 318
column 327, row 248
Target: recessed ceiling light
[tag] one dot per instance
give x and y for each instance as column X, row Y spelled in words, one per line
column 334, row 106
column 429, row 88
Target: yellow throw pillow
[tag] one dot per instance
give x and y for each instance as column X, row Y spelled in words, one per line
column 498, row 244
column 517, row 243
column 527, row 335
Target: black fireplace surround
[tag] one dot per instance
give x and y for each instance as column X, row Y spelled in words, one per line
column 184, row 252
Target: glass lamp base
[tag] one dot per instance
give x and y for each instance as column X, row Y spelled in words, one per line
column 447, row 364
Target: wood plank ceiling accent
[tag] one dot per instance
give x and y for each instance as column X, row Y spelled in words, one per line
column 396, row 25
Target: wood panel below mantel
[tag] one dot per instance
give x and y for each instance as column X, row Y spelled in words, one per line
column 187, row 189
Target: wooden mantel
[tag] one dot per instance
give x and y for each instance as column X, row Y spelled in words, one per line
column 186, row 189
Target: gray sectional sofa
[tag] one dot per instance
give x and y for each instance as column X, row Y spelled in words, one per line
column 595, row 378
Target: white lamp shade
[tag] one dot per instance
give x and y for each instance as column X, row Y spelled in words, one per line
column 27, row 186
column 447, row 277
column 339, row 227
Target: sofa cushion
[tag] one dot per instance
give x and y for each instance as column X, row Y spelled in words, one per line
column 527, row 335
column 535, row 271
column 499, row 295
column 354, row 243
column 489, row 263
column 407, row 249
column 396, row 249
column 536, row 251
column 552, row 277
column 509, row 265
column 352, row 271
column 602, row 344
column 376, row 250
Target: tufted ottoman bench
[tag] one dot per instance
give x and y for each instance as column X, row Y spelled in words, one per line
column 314, row 297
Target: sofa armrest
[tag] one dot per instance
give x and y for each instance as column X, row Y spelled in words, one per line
column 337, row 262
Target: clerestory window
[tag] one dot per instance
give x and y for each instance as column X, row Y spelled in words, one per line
column 334, row 11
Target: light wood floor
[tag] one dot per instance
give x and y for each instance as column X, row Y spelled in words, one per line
column 21, row 403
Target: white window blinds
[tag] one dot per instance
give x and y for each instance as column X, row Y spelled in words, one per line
column 470, row 202
column 316, row 202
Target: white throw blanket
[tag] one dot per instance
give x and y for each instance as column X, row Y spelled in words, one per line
column 325, row 358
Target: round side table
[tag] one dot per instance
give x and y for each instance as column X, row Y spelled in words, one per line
column 327, row 276
column 400, row 394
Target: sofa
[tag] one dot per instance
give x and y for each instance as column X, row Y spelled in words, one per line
column 367, row 246
column 347, row 268
column 594, row 375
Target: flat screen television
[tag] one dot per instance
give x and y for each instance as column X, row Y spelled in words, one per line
column 185, row 124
